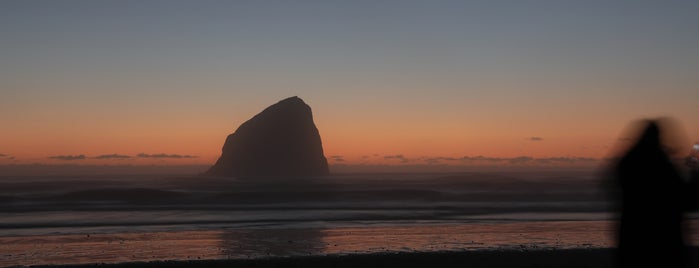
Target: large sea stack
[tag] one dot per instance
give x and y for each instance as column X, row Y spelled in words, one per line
column 282, row 140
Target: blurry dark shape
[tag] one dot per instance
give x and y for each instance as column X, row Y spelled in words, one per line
column 673, row 140
column 693, row 158
column 282, row 140
column 653, row 201
column 692, row 163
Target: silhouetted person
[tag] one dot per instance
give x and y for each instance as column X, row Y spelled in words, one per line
column 652, row 205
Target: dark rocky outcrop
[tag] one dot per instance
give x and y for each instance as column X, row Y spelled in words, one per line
column 282, row 140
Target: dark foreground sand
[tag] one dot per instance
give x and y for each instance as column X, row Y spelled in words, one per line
column 513, row 258
column 570, row 258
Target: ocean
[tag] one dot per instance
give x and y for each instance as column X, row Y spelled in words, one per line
column 112, row 219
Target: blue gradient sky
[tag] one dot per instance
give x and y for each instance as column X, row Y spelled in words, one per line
column 418, row 78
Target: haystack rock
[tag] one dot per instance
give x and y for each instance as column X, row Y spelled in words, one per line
column 282, row 140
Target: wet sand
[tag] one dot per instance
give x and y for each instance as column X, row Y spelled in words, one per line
column 262, row 244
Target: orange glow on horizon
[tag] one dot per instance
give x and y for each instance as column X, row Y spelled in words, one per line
column 538, row 133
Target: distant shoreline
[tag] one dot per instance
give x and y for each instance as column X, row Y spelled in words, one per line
column 194, row 170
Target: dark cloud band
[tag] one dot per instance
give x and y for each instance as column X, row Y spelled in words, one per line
column 112, row 156
column 68, row 157
column 162, row 155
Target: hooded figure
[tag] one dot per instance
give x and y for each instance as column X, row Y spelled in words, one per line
column 652, row 203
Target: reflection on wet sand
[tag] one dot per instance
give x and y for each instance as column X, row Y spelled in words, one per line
column 272, row 242
column 263, row 243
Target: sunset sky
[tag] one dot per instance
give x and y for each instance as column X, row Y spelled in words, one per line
column 390, row 82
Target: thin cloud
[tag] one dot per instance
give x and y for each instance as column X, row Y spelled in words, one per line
column 438, row 160
column 536, row 138
column 481, row 158
column 398, row 157
column 162, row 155
column 337, row 158
column 524, row 159
column 569, row 160
column 112, row 156
column 68, row 157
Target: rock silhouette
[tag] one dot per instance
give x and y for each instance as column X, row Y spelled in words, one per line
column 282, row 140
